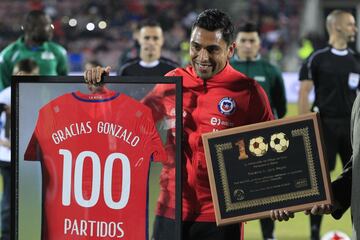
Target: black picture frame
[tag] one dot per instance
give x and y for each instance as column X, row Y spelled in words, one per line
column 62, row 84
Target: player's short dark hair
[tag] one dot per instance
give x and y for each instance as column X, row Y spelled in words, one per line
column 248, row 26
column 34, row 15
column 149, row 22
column 214, row 19
column 32, row 19
column 26, row 65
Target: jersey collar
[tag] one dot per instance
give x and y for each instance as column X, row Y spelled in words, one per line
column 342, row 52
column 106, row 95
column 149, row 65
column 237, row 58
column 21, row 41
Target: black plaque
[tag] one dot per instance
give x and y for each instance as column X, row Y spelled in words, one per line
column 271, row 165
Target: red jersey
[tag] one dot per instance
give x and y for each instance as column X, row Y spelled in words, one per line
column 228, row 99
column 96, row 152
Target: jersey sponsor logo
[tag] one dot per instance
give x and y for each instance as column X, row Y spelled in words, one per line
column 47, row 55
column 353, row 80
column 218, row 122
column 227, row 106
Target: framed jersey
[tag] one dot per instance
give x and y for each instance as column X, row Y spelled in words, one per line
column 86, row 158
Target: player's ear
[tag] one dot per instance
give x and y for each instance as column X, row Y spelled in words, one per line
column 231, row 49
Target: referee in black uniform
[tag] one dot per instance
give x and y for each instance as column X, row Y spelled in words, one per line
column 150, row 62
column 334, row 71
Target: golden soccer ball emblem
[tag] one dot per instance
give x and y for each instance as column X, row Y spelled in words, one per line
column 279, row 142
column 258, row 147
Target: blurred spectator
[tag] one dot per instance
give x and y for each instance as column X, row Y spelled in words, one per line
column 35, row 44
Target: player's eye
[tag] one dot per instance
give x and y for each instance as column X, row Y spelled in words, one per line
column 195, row 47
column 212, row 49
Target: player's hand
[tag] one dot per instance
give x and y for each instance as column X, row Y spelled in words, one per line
column 93, row 75
column 5, row 143
column 320, row 209
column 281, row 215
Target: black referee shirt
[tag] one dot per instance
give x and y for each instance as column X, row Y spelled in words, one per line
column 336, row 77
column 137, row 68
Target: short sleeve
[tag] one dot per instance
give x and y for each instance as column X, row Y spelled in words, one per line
column 32, row 152
column 33, row 149
column 306, row 69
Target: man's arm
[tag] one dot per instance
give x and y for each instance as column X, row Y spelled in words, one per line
column 5, row 71
column 303, row 103
column 63, row 66
column 342, row 191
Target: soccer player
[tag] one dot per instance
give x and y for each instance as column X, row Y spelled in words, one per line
column 35, row 44
column 208, row 83
column 334, row 71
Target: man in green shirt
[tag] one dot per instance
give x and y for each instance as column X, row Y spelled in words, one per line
column 36, row 44
column 248, row 61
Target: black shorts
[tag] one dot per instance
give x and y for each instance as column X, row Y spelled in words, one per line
column 164, row 229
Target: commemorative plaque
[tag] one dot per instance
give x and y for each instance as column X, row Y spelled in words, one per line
column 277, row 164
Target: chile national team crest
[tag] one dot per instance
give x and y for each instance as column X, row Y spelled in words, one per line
column 227, row 106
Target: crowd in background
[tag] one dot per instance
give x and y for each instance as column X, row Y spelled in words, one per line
column 279, row 22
